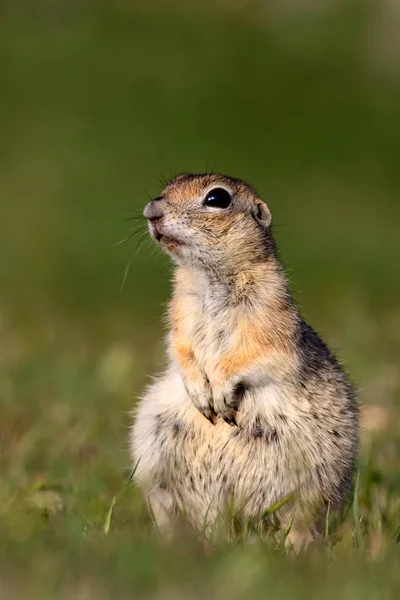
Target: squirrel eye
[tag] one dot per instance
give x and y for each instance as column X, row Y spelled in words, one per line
column 218, row 198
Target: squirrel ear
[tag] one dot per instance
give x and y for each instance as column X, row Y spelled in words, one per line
column 262, row 214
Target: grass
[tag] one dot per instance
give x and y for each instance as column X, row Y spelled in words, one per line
column 98, row 100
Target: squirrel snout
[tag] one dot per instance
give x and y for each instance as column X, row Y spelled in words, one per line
column 153, row 210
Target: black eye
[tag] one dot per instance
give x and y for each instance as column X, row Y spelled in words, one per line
column 218, row 198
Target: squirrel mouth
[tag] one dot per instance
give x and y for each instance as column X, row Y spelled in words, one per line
column 165, row 240
column 169, row 243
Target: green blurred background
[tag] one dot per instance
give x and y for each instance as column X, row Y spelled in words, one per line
column 99, row 101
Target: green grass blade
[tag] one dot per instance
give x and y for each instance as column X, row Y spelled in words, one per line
column 107, row 522
column 356, row 514
column 328, row 512
column 277, row 505
column 285, row 533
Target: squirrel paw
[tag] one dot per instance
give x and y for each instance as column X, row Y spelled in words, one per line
column 226, row 403
column 201, row 397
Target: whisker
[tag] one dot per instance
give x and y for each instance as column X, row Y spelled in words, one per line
column 164, row 179
column 125, row 239
column 128, row 237
column 160, row 181
column 210, row 164
column 138, row 226
column 136, row 209
column 133, row 255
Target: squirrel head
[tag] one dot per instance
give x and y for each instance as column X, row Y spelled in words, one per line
column 212, row 222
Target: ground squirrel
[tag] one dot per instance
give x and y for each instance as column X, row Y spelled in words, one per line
column 252, row 403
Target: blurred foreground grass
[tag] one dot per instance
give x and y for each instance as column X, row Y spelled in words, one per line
column 99, row 100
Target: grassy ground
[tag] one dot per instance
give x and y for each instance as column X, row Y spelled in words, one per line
column 98, row 101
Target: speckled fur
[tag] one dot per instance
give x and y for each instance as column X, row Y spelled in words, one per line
column 252, row 404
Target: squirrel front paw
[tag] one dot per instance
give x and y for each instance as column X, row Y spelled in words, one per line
column 226, row 401
column 201, row 396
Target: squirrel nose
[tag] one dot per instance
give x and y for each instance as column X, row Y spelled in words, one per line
column 153, row 210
